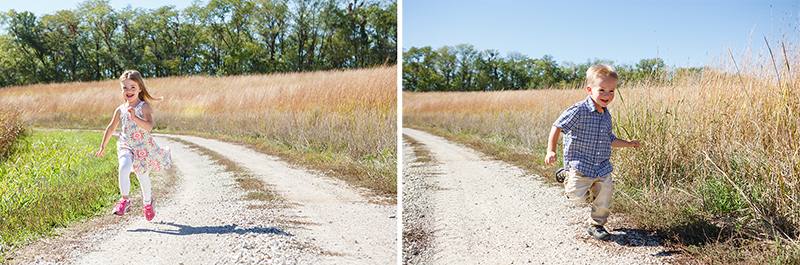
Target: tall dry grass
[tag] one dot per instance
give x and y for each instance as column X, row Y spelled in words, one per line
column 12, row 128
column 720, row 161
column 515, row 117
column 346, row 119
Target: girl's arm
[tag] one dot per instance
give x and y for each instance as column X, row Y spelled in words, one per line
column 552, row 141
column 109, row 131
column 147, row 121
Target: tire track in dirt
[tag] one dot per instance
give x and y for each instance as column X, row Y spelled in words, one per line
column 342, row 221
column 489, row 212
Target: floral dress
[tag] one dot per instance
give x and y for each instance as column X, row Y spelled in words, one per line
column 147, row 155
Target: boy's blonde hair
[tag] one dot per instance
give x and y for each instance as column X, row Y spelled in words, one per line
column 599, row 70
column 137, row 77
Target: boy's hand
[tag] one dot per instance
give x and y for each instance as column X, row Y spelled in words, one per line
column 625, row 143
column 551, row 158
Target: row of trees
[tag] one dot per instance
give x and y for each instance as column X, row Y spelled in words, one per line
column 224, row 37
column 463, row 68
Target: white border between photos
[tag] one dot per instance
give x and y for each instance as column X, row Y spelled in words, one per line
column 399, row 216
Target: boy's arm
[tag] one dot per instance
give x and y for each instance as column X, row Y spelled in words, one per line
column 552, row 141
column 624, row 143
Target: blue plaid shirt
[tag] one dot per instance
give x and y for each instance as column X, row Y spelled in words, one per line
column 587, row 138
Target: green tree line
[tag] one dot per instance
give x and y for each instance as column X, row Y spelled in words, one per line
column 463, row 68
column 224, row 37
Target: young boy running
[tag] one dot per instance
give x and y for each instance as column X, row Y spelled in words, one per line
column 588, row 139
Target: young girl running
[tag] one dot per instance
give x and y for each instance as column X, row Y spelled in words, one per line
column 136, row 149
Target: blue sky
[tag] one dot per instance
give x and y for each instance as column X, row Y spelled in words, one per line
column 683, row 33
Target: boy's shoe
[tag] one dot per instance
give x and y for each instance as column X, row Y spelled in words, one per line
column 148, row 211
column 561, row 174
column 598, row 232
column 121, row 207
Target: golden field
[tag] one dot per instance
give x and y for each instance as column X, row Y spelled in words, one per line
column 344, row 121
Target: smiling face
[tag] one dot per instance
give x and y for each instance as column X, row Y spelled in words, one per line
column 602, row 91
column 130, row 90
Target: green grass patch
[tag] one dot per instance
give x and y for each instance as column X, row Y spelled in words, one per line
column 52, row 180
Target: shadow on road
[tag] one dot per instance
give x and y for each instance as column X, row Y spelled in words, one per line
column 181, row 230
column 635, row 238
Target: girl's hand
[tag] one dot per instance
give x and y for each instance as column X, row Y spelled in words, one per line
column 101, row 152
column 633, row 143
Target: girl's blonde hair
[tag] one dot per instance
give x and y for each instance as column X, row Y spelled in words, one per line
column 137, row 77
column 599, row 70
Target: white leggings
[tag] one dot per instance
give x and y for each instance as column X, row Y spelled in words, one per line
column 125, row 168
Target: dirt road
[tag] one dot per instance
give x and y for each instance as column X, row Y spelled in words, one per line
column 205, row 220
column 489, row 212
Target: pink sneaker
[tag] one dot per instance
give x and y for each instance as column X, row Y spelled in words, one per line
column 148, row 211
column 122, row 207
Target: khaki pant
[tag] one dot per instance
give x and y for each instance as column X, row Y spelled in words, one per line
column 577, row 187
